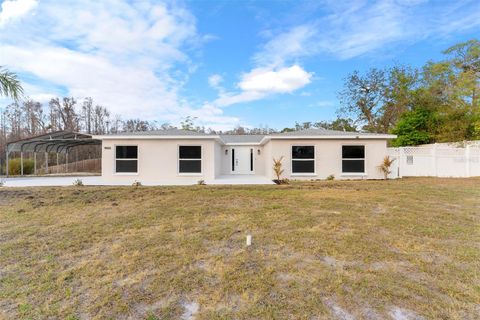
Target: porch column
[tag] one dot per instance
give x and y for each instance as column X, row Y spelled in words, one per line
column 21, row 163
column 46, row 162
column 6, row 163
column 35, row 163
column 58, row 169
column 66, row 162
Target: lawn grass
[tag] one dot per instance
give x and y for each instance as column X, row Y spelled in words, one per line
column 332, row 249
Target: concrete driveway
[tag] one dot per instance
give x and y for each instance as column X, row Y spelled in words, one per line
column 98, row 181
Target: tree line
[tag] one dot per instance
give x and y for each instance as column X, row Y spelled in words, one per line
column 435, row 103
column 438, row 102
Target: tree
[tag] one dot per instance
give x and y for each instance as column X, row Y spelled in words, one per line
column 377, row 99
column 362, row 97
column 465, row 62
column 454, row 84
column 64, row 114
column 400, row 84
column 414, row 128
column 10, row 86
column 134, row 125
column 87, row 114
column 188, row 123
column 339, row 124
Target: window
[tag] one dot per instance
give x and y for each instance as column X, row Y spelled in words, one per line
column 303, row 159
column 409, row 160
column 189, row 159
column 353, row 159
column 126, row 159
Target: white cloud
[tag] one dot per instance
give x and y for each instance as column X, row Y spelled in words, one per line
column 214, row 80
column 284, row 80
column 285, row 46
column 354, row 28
column 262, row 82
column 324, row 104
column 14, row 9
column 132, row 57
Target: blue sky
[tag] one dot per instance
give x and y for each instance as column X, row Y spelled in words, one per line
column 229, row 63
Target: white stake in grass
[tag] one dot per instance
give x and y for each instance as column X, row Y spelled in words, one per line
column 249, row 240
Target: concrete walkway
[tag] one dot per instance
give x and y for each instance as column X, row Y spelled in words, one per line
column 98, row 181
column 241, row 179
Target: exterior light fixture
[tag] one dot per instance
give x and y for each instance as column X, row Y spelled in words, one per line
column 258, row 151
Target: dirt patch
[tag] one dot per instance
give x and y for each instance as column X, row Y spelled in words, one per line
column 397, row 313
column 190, row 310
column 337, row 311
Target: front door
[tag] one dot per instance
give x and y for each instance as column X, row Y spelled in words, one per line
column 242, row 160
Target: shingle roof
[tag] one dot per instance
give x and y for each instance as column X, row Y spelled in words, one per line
column 322, row 132
column 169, row 132
column 255, row 138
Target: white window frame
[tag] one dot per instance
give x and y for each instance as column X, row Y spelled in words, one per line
column 194, row 174
column 303, row 174
column 364, row 173
column 125, row 159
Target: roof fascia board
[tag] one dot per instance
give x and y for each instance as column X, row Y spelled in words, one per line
column 242, row 143
column 151, row 137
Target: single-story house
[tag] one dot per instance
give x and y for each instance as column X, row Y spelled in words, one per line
column 187, row 157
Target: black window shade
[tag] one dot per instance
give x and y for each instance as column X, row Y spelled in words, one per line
column 130, row 166
column 190, row 166
column 126, row 152
column 190, row 152
column 353, row 166
column 303, row 152
column 305, row 166
column 353, row 152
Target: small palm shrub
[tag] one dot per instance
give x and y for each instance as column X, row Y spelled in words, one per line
column 78, row 183
column 136, row 184
column 385, row 166
column 331, row 177
column 278, row 170
column 277, row 167
column 201, row 182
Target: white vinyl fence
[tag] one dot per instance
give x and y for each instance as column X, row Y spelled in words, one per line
column 436, row 160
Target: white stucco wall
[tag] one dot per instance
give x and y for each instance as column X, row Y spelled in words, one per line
column 158, row 160
column 328, row 157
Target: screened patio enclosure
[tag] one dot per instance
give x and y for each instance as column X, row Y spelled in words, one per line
column 57, row 152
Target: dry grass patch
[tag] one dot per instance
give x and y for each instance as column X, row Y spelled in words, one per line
column 336, row 249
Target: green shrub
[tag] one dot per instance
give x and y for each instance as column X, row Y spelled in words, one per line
column 14, row 167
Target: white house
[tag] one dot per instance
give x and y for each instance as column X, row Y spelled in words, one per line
column 178, row 156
